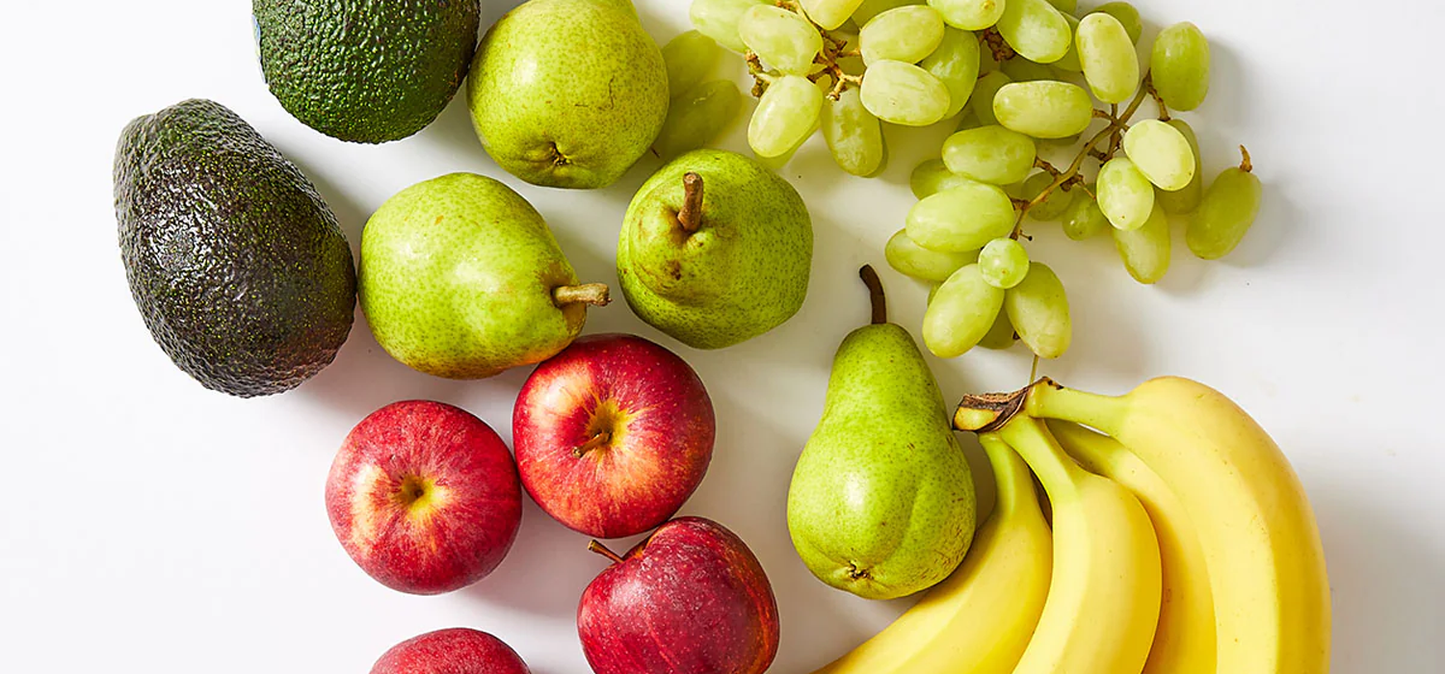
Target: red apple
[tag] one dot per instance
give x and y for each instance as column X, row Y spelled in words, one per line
column 424, row 497
column 691, row 599
column 613, row 434
column 452, row 651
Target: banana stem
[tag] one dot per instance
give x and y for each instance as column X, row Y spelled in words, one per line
column 690, row 215
column 876, row 297
column 1048, row 400
column 1033, row 441
column 594, row 294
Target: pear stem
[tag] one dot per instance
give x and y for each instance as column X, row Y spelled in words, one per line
column 594, row 294
column 592, row 443
column 875, row 294
column 690, row 216
column 601, row 549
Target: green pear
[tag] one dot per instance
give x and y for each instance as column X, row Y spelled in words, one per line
column 568, row 93
column 715, row 250
column 882, row 499
column 461, row 278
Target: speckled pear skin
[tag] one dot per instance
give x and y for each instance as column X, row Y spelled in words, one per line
column 568, row 93
column 457, row 276
column 742, row 273
column 882, row 499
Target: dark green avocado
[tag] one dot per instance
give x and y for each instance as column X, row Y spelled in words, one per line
column 365, row 71
column 236, row 264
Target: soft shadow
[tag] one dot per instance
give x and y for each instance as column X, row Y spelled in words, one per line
column 453, row 134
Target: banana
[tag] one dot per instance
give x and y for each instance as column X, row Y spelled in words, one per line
column 981, row 617
column 1260, row 539
column 1184, row 642
column 1104, row 597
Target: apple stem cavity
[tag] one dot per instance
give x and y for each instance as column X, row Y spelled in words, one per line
column 594, row 294
column 592, row 443
column 603, row 550
column 875, row 294
column 690, row 217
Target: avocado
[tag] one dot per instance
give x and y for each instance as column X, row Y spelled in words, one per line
column 236, row 264
column 365, row 71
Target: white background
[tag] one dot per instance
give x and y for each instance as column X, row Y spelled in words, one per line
column 149, row 524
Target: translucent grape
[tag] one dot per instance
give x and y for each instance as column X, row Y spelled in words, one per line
column 1226, row 213
column 1003, row 263
column 1127, row 15
column 1187, row 199
column 1065, row 6
column 962, row 311
column 1044, row 109
column 854, row 135
column 961, row 218
column 1038, row 308
column 1125, row 195
column 1180, row 65
column 911, row 259
column 1145, row 250
column 786, row 115
column 1035, row 30
column 1053, row 205
column 830, row 13
column 690, row 58
column 1107, row 56
column 718, row 19
column 697, row 117
column 984, row 91
column 904, row 94
column 1024, row 70
column 1070, row 61
column 781, row 38
column 969, row 120
column 955, row 63
column 969, row 14
column 1001, row 335
column 871, row 8
column 990, row 154
column 932, row 177
column 906, row 34
column 1083, row 219
column 1161, row 153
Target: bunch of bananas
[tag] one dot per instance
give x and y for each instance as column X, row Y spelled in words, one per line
column 1181, row 542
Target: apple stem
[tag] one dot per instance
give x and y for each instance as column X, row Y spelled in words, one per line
column 690, row 217
column 594, row 294
column 875, row 294
column 601, row 549
column 592, row 443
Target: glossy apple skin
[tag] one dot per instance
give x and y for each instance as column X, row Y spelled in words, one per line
column 691, row 599
column 659, row 423
column 424, row 497
column 451, row 651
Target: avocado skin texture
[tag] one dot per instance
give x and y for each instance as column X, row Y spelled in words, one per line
column 366, row 71
column 236, row 264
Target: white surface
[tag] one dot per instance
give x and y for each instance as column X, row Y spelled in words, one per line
column 151, row 524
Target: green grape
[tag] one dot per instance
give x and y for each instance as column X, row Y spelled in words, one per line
column 1145, row 250
column 990, row 154
column 932, row 177
column 984, row 91
column 781, row 38
column 698, row 117
column 1044, row 109
column 1186, row 200
column 1180, row 65
column 932, row 290
column 690, row 57
column 961, row 218
column 961, row 313
column 871, row 8
column 1038, row 308
column 1107, row 55
column 1001, row 336
column 830, row 14
column 1020, row 69
column 1127, row 15
column 1065, row 6
column 911, row 259
column 906, row 34
column 1226, row 213
column 1035, row 30
column 904, row 94
column 1070, row 62
column 718, row 19
column 854, row 135
column 1083, row 219
column 969, row 14
column 786, row 115
column 1161, row 153
column 969, row 120
column 1004, row 263
column 955, row 63
column 1053, row 205
column 1125, row 195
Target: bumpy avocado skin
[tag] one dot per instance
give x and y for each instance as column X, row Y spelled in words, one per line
column 238, row 267
column 366, row 71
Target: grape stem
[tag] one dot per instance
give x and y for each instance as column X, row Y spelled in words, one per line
column 1247, row 164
